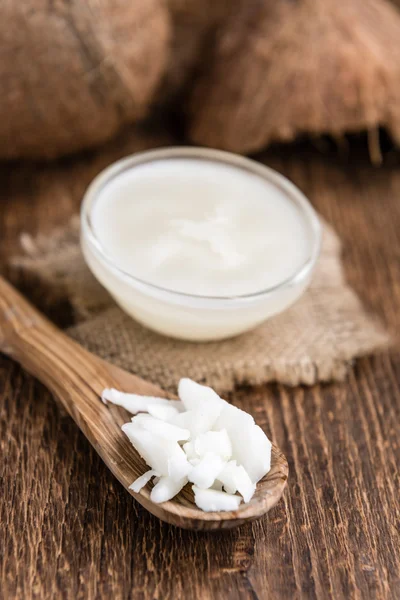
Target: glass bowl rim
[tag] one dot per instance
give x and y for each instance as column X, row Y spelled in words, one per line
column 134, row 160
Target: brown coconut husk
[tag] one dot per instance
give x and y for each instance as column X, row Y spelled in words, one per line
column 73, row 72
column 193, row 24
column 280, row 69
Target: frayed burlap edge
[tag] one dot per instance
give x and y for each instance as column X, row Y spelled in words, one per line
column 55, row 263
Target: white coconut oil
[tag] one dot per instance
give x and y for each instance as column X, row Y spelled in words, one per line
column 215, row 233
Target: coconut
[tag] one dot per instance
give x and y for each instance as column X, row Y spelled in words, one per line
column 75, row 73
column 143, row 480
column 214, row 500
column 165, row 413
column 157, row 451
column 133, row 403
column 178, row 466
column 190, row 451
column 250, row 446
column 195, row 396
column 216, row 442
column 193, row 24
column 206, row 471
column 198, row 421
column 232, row 418
column 166, row 488
column 161, row 428
column 235, row 478
column 252, row 449
column 282, row 69
column 195, row 445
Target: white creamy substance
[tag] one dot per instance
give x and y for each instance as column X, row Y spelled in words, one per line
column 200, row 227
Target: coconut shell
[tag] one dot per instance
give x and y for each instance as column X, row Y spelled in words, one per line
column 280, row 69
column 193, row 25
column 73, row 72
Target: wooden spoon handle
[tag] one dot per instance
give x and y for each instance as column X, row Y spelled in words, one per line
column 75, row 375
column 43, row 350
column 16, row 315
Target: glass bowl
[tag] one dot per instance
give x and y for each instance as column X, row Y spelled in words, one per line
column 191, row 316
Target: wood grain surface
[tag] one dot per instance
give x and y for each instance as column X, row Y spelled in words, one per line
column 69, row 529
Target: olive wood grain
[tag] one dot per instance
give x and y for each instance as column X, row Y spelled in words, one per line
column 78, row 378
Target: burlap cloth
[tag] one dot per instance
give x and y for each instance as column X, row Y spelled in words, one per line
column 315, row 340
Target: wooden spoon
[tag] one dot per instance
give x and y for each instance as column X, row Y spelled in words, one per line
column 78, row 378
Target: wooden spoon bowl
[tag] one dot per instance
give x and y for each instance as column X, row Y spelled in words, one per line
column 78, row 378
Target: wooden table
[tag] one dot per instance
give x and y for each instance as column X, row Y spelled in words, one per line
column 68, row 529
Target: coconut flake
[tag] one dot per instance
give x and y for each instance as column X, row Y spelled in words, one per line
column 245, row 486
column 143, row 480
column 214, row 500
column 205, row 473
column 194, row 395
column 252, row 449
column 178, row 466
column 235, row 479
column 161, row 428
column 165, row 413
column 227, row 477
column 178, row 404
column 232, row 418
column 192, row 439
column 199, row 420
column 189, row 450
column 154, row 449
column 250, row 446
column 133, row 403
column 216, row 442
column 166, row 488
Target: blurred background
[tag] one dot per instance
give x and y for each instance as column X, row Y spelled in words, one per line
column 237, row 75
